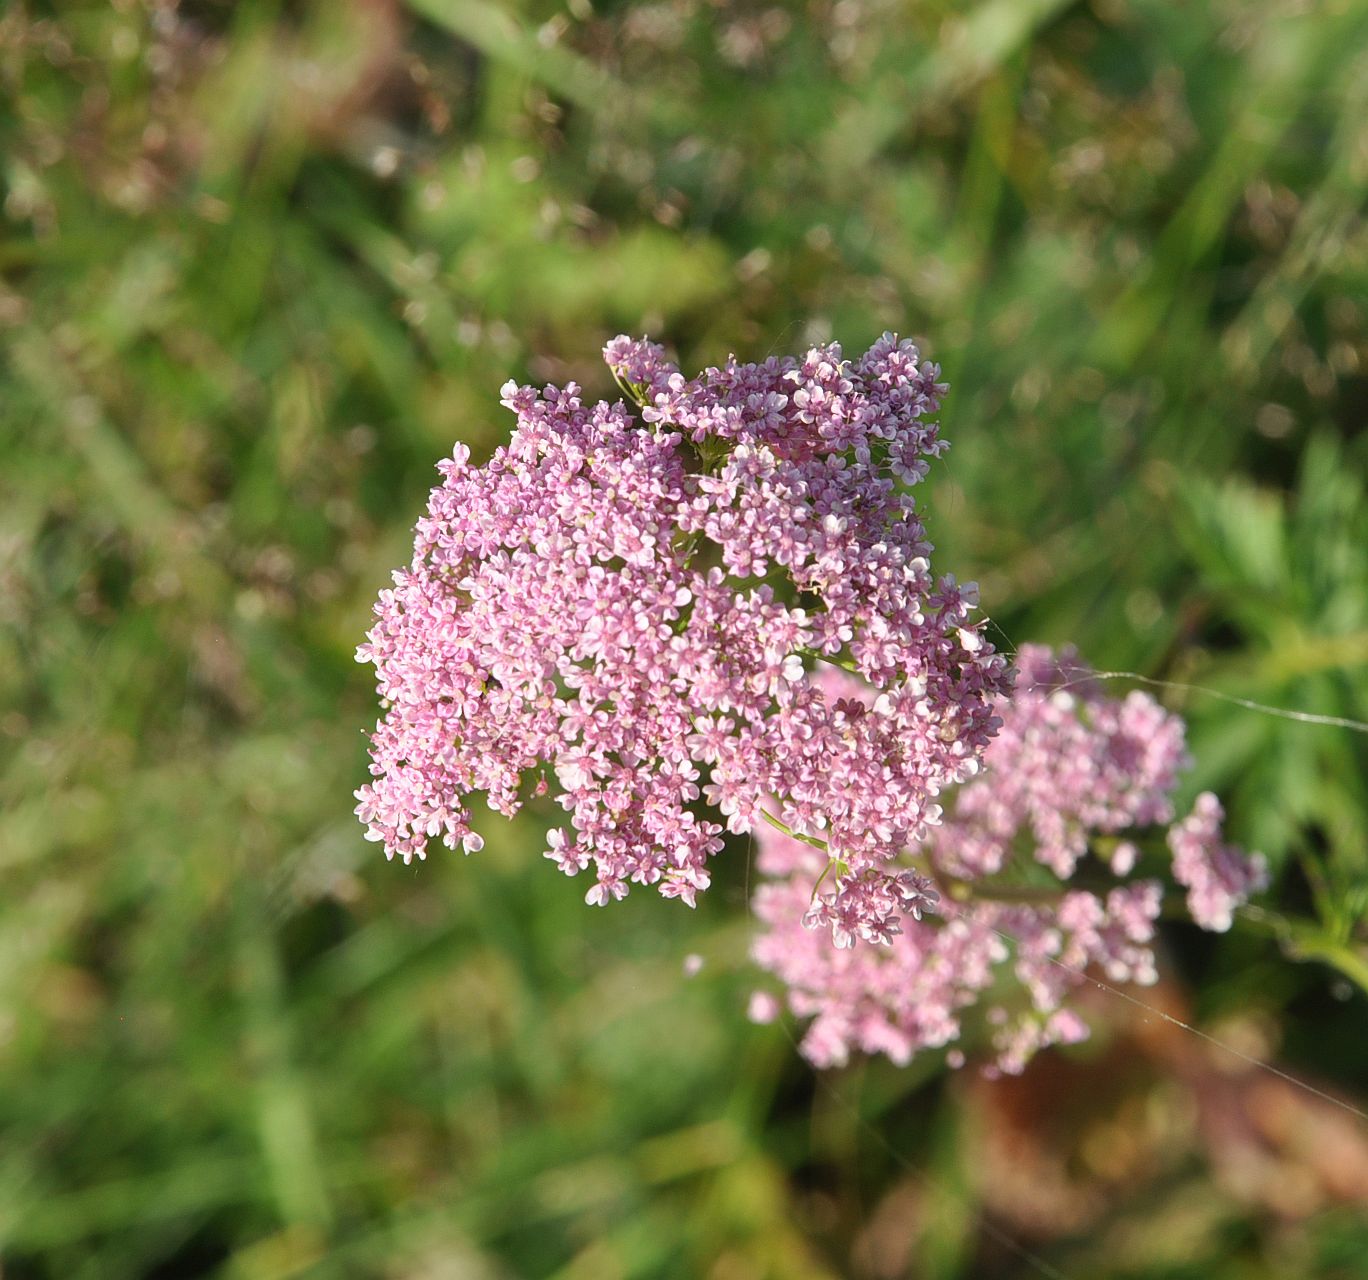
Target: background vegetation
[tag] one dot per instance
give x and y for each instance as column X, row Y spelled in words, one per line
column 263, row 262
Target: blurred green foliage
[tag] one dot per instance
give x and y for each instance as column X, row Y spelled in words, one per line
column 263, row 262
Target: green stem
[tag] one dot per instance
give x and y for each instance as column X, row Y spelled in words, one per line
column 634, row 393
column 1305, row 942
column 845, row 664
column 826, row 870
column 967, row 891
column 1349, row 962
column 779, row 825
column 838, row 864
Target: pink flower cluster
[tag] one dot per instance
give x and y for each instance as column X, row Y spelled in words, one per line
column 634, row 605
column 1218, row 876
column 1073, row 774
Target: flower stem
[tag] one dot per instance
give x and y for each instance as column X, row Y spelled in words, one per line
column 845, row 664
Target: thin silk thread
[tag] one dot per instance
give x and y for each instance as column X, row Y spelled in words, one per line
column 1282, row 713
column 1220, row 1044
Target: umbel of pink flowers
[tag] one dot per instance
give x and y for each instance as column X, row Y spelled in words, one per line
column 1074, row 781
column 633, row 603
column 709, row 607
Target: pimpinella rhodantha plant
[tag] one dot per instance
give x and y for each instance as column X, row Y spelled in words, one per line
column 645, row 601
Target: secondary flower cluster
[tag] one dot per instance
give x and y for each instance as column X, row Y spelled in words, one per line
column 627, row 601
column 1073, row 774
